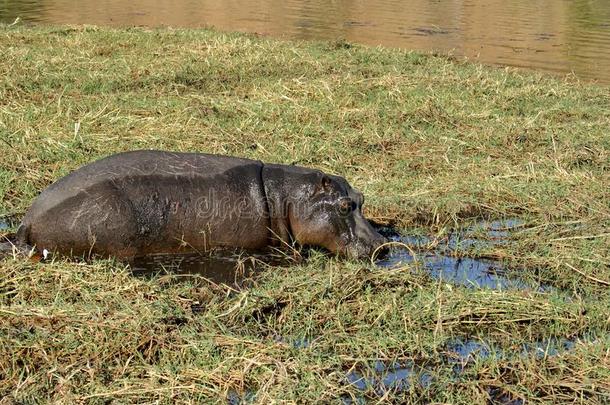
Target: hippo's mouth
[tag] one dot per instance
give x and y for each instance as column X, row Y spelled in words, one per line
column 361, row 250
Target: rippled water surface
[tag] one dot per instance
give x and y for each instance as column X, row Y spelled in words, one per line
column 560, row 36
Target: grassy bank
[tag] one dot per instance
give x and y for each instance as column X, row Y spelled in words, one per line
column 433, row 143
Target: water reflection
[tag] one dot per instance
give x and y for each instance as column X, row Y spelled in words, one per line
column 226, row 267
column 441, row 262
column 469, row 272
column 469, row 351
column 382, row 376
column 8, row 222
column 385, row 377
column 552, row 35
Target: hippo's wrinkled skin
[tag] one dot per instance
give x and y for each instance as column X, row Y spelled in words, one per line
column 145, row 202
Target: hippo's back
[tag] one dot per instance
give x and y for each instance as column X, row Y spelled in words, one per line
column 136, row 200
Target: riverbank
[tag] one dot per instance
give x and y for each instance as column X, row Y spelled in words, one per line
column 434, row 144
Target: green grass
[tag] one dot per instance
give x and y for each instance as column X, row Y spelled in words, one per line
column 434, row 143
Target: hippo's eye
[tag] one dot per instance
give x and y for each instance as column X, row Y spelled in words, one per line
column 346, row 205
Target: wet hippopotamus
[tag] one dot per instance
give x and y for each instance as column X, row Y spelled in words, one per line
column 146, row 202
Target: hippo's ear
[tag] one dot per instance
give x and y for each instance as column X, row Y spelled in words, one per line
column 324, row 184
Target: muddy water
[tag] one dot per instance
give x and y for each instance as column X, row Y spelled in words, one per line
column 438, row 262
column 229, row 268
column 559, row 36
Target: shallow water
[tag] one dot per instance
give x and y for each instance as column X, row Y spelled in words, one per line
column 220, row 267
column 382, row 377
column 234, row 266
column 441, row 262
column 470, row 272
column 438, row 263
column 9, row 221
column 559, row 36
column 231, row 267
column 470, row 350
column 394, row 377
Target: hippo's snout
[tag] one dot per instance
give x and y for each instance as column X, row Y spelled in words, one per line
column 365, row 249
column 366, row 241
column 381, row 248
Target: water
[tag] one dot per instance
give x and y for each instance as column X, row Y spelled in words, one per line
column 232, row 267
column 390, row 377
column 382, row 376
column 8, row 222
column 468, row 351
column 558, row 36
column 441, row 262
column 226, row 267
column 5, row 245
column 470, row 272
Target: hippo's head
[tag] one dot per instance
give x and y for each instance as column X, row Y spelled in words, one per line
column 317, row 209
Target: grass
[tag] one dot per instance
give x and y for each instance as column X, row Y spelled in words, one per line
column 433, row 142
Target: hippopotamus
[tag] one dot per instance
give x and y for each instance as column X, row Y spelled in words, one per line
column 145, row 202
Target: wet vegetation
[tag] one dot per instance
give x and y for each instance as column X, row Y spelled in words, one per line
column 437, row 145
